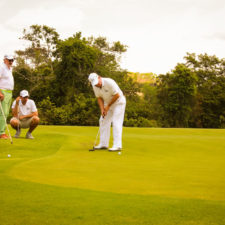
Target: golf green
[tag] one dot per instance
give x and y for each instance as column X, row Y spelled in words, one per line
column 178, row 174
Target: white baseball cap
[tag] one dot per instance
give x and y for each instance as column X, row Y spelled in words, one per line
column 24, row 93
column 9, row 57
column 93, row 78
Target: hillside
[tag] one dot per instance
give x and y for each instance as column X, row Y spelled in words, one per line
column 143, row 77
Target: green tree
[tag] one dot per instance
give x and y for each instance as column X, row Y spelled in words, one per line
column 176, row 93
column 55, row 72
column 78, row 57
column 43, row 41
column 210, row 101
column 34, row 70
column 76, row 60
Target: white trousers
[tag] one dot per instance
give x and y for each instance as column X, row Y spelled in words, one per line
column 115, row 116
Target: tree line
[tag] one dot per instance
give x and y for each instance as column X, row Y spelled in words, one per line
column 55, row 72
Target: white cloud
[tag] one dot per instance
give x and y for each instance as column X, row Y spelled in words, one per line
column 158, row 33
column 66, row 20
column 8, row 41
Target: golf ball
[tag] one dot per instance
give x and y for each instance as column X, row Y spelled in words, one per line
column 119, row 153
column 9, row 155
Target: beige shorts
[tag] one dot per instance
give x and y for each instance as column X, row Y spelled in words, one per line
column 24, row 123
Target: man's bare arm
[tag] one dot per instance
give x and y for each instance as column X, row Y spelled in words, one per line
column 114, row 98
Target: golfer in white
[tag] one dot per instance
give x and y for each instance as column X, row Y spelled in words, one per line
column 25, row 114
column 112, row 104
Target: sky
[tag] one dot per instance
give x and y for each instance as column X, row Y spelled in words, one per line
column 158, row 33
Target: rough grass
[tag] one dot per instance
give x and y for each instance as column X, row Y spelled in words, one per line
column 163, row 176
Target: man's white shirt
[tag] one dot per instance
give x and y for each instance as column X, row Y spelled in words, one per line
column 26, row 109
column 6, row 78
column 108, row 90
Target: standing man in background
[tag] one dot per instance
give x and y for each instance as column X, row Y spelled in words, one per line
column 6, row 88
column 112, row 104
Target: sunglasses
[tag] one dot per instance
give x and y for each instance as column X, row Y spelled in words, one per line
column 11, row 60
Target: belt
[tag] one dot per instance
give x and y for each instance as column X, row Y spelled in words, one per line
column 9, row 91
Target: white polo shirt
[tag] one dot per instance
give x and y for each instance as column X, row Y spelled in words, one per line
column 6, row 78
column 108, row 89
column 26, row 109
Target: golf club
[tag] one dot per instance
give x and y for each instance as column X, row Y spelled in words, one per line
column 18, row 126
column 6, row 123
column 101, row 121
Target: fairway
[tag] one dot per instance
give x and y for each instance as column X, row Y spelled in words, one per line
column 163, row 176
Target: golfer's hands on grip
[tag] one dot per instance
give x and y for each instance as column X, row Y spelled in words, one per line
column 105, row 111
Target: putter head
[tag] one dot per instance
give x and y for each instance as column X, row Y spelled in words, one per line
column 92, row 149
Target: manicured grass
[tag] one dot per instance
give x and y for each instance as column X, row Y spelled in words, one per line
column 163, row 176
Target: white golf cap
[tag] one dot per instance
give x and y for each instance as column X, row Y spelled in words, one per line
column 24, row 93
column 9, row 57
column 93, row 78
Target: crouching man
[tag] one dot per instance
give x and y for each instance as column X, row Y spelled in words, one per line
column 25, row 114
